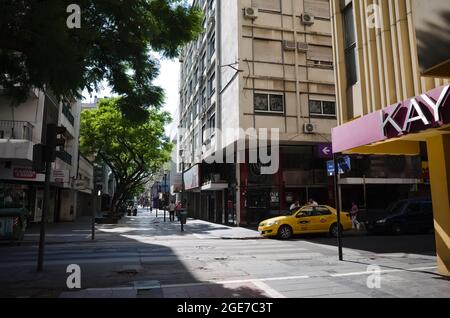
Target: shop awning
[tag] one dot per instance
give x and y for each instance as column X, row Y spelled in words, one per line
column 397, row 128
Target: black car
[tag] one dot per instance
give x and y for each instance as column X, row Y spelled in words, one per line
column 404, row 216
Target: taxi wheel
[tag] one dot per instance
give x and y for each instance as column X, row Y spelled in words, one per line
column 285, row 232
column 334, row 230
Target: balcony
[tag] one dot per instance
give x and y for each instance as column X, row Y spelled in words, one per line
column 16, row 140
column 68, row 114
column 17, row 130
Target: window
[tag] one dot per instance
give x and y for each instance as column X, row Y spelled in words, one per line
column 195, row 109
column 212, row 84
column 204, row 97
column 350, row 45
column 321, row 210
column 212, row 45
column 195, row 76
column 276, row 103
column 203, row 62
column 268, row 102
column 211, row 5
column 322, row 108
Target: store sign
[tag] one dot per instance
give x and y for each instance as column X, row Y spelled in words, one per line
column 192, row 178
column 427, row 111
column 23, row 173
column 60, row 176
column 415, row 114
column 81, row 184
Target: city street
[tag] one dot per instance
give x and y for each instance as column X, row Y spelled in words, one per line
column 143, row 256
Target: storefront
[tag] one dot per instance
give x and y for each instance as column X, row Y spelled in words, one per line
column 398, row 130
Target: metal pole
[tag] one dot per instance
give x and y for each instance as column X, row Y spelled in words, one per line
column 338, row 205
column 94, row 212
column 365, row 192
column 40, row 265
column 164, row 196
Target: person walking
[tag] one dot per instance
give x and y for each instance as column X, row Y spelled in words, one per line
column 294, row 206
column 311, row 202
column 354, row 214
column 172, row 211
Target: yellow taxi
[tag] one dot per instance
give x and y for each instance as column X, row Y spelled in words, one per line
column 308, row 219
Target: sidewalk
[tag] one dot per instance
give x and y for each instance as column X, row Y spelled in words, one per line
column 145, row 223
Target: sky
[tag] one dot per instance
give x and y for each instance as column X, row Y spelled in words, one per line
column 168, row 79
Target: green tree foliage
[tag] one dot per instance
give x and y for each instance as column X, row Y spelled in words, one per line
column 38, row 50
column 134, row 152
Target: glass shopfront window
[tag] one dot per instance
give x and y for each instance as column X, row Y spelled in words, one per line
column 15, row 196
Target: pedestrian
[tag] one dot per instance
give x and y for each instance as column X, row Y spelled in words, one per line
column 354, row 215
column 294, row 206
column 171, row 211
column 178, row 208
column 311, row 202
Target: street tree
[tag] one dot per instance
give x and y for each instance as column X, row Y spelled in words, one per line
column 134, row 152
column 50, row 45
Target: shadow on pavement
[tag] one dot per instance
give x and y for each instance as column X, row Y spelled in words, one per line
column 422, row 244
column 113, row 268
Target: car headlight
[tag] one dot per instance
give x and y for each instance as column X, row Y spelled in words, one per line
column 381, row 221
column 270, row 223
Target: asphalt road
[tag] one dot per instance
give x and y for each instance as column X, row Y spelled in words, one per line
column 145, row 251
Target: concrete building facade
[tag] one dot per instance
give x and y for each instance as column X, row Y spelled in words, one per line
column 23, row 126
column 258, row 64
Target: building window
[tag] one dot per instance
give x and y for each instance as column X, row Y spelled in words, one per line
column 195, row 77
column 350, row 45
column 211, row 5
column 322, row 108
column 203, row 63
column 264, row 102
column 204, row 98
column 212, row 123
column 195, row 109
column 212, row 45
column 212, row 84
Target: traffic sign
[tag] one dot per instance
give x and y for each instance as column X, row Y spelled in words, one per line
column 343, row 164
column 325, row 151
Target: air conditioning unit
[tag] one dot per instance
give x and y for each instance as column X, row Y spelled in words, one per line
column 289, row 45
column 307, row 18
column 302, row 47
column 309, row 128
column 251, row 13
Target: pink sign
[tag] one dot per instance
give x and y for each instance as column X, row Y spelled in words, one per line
column 429, row 110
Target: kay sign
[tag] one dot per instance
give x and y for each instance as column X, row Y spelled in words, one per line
column 427, row 111
column 416, row 114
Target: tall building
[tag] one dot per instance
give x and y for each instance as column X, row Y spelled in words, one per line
column 393, row 94
column 258, row 64
column 23, row 126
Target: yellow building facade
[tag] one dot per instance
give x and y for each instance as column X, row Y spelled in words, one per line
column 383, row 90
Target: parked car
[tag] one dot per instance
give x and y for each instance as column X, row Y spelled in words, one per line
column 308, row 219
column 404, row 216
